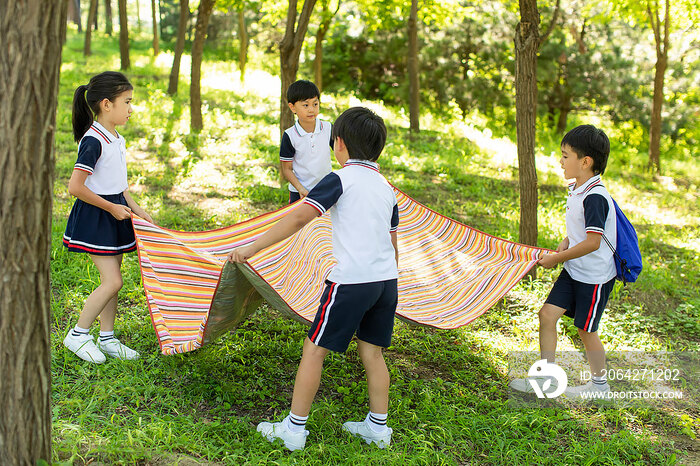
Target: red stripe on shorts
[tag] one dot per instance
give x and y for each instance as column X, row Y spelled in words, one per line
column 592, row 308
column 323, row 312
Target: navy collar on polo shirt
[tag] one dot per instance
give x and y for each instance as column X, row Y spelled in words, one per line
column 302, row 132
column 594, row 180
column 102, row 131
column 363, row 163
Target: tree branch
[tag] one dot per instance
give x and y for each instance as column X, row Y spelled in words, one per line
column 552, row 23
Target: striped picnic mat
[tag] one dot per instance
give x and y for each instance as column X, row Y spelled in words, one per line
column 449, row 273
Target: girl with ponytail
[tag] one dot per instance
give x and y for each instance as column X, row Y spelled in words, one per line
column 100, row 220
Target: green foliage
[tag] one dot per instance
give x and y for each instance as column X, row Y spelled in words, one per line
column 449, row 388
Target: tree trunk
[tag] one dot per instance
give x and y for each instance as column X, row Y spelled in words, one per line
column 92, row 13
column 138, row 16
column 526, row 45
column 662, row 44
column 179, row 46
column 414, row 98
column 97, row 14
column 156, row 48
column 108, row 17
column 200, row 35
column 655, row 124
column 290, row 49
column 74, row 13
column 318, row 56
column 123, row 36
column 563, row 116
column 33, row 33
column 243, row 46
column 326, row 17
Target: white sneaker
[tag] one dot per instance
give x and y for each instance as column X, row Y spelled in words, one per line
column 84, row 347
column 116, row 349
column 589, row 391
column 523, row 385
column 361, row 429
column 292, row 440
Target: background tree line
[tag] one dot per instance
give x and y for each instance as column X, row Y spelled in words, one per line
column 599, row 56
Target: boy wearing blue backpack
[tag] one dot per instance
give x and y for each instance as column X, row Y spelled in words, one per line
column 589, row 272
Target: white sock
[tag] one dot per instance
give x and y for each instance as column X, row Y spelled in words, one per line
column 376, row 422
column 599, row 381
column 79, row 331
column 295, row 423
column 106, row 336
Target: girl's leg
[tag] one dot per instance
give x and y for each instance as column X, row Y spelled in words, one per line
column 549, row 315
column 378, row 378
column 103, row 300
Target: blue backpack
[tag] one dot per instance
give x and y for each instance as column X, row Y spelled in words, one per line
column 628, row 258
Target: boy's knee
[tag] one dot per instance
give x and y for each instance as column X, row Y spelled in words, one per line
column 547, row 315
column 312, row 350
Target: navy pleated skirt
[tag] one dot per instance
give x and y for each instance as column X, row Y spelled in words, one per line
column 95, row 231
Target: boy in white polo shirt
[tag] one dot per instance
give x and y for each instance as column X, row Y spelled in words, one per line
column 305, row 149
column 583, row 287
column 361, row 294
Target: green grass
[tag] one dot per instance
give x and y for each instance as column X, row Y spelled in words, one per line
column 449, row 388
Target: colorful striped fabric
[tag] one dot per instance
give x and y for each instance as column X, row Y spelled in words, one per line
column 449, row 273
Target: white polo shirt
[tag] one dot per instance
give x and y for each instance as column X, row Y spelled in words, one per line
column 310, row 153
column 103, row 156
column 363, row 212
column 589, row 208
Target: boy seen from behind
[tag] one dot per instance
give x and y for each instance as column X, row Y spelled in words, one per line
column 588, row 276
column 360, row 294
column 305, row 156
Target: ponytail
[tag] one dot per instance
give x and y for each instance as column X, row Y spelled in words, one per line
column 82, row 115
column 87, row 98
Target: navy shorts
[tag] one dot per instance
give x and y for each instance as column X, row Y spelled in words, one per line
column 294, row 196
column 363, row 308
column 582, row 301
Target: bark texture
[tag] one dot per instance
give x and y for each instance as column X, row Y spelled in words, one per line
column 526, row 45
column 33, row 33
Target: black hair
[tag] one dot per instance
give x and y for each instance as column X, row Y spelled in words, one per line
column 302, row 90
column 87, row 98
column 362, row 131
column 587, row 140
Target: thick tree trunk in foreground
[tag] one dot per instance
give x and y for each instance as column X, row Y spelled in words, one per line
column 526, row 45
column 33, row 33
